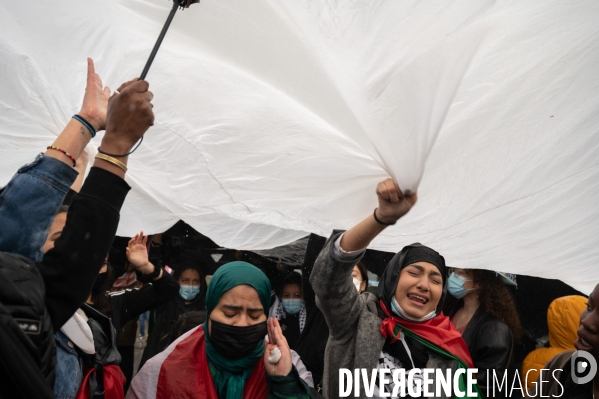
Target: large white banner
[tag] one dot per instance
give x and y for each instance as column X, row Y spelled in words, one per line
column 278, row 118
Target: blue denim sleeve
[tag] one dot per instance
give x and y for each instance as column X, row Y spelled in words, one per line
column 69, row 368
column 29, row 202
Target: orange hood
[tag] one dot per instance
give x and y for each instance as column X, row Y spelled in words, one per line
column 563, row 320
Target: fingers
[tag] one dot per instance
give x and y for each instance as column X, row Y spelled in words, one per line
column 271, row 338
column 148, row 96
column 389, row 190
column 278, row 336
column 126, row 84
column 139, row 86
column 91, row 73
column 137, row 239
column 412, row 198
column 397, row 189
column 98, row 81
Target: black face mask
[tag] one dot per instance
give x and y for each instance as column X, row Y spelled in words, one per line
column 236, row 342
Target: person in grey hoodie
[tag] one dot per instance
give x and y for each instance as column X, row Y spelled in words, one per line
column 403, row 328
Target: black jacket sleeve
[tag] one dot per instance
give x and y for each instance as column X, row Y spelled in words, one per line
column 490, row 343
column 71, row 267
column 315, row 245
column 128, row 304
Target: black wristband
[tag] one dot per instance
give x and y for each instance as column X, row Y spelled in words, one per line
column 380, row 221
column 122, row 155
column 147, row 278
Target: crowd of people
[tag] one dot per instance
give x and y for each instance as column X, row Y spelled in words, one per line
column 237, row 336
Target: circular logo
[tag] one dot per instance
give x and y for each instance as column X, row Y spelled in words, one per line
column 583, row 367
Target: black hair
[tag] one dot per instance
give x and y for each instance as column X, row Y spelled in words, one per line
column 186, row 265
column 101, row 301
column 290, row 277
column 186, row 322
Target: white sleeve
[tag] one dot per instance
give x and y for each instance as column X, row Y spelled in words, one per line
column 301, row 369
column 341, row 254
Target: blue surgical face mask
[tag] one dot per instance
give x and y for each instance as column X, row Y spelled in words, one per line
column 188, row 292
column 395, row 308
column 455, row 286
column 292, row 306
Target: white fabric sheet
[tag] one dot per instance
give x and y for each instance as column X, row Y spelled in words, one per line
column 278, row 118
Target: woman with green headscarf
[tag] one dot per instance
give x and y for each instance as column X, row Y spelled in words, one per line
column 227, row 357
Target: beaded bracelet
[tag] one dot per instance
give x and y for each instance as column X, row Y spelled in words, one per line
column 86, row 124
column 113, row 161
column 51, row 147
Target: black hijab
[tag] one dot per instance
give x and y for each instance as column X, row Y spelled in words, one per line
column 388, row 283
column 410, row 254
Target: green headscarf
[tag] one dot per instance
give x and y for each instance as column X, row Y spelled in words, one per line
column 230, row 375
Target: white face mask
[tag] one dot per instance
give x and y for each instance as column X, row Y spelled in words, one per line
column 358, row 284
column 395, row 308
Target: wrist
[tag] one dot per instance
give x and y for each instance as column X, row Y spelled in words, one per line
column 155, row 274
column 382, row 219
column 114, row 145
column 159, row 275
column 277, row 377
column 96, row 124
column 146, row 268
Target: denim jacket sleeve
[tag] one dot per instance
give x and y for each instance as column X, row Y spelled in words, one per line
column 29, row 202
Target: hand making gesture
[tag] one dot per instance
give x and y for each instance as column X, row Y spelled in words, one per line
column 137, row 254
column 95, row 100
column 276, row 339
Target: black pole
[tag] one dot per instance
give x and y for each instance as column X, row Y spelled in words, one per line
column 159, row 41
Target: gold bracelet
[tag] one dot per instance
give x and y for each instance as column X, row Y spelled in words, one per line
column 112, row 160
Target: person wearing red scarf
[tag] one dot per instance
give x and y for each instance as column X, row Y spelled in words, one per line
column 400, row 328
column 227, row 357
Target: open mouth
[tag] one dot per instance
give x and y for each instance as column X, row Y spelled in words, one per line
column 418, row 299
column 582, row 344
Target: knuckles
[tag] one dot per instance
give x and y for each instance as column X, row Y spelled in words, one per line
column 132, row 107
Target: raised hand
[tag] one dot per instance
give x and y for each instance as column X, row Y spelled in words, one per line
column 137, row 253
column 129, row 116
column 393, row 203
column 277, row 339
column 95, row 100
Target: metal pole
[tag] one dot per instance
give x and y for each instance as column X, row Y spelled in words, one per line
column 171, row 15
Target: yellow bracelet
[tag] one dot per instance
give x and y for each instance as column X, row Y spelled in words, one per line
column 112, row 160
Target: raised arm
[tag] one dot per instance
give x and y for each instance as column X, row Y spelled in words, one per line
column 331, row 280
column 77, row 134
column 33, row 196
column 393, row 204
column 315, row 245
column 70, row 269
column 129, row 304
